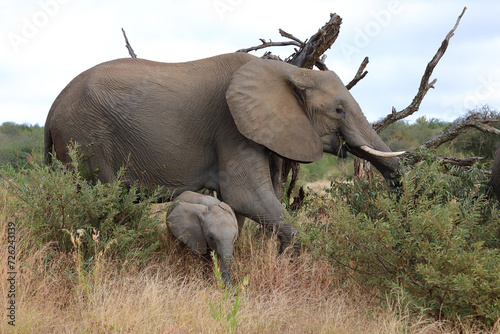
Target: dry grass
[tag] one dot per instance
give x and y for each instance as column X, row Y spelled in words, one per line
column 169, row 294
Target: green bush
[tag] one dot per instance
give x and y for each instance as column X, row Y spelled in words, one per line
column 328, row 167
column 475, row 142
column 437, row 243
column 58, row 204
column 18, row 143
column 403, row 135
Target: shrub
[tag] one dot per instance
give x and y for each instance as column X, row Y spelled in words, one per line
column 18, row 143
column 59, row 204
column 437, row 243
column 328, row 167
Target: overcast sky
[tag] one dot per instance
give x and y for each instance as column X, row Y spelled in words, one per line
column 46, row 43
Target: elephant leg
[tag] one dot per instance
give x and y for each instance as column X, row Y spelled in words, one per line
column 246, row 185
column 275, row 167
column 267, row 212
column 241, row 221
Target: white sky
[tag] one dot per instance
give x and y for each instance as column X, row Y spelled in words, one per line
column 46, row 43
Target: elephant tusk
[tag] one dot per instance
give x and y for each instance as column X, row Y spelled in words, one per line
column 380, row 153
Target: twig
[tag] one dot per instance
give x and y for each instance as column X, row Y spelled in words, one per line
column 128, row 46
column 268, row 45
column 290, row 36
column 425, row 85
column 360, row 74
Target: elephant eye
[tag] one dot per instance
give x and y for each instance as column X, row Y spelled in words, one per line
column 211, row 238
column 339, row 110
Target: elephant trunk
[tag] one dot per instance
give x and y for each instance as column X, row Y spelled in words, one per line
column 366, row 144
column 225, row 266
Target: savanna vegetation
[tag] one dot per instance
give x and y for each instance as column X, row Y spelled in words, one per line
column 99, row 258
column 18, row 142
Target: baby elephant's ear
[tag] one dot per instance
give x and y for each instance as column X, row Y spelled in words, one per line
column 184, row 222
column 226, row 207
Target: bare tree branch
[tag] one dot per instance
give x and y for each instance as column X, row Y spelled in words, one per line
column 128, row 46
column 312, row 50
column 480, row 120
column 360, row 74
column 425, row 85
column 290, row 36
column 268, row 44
column 413, row 158
column 488, row 129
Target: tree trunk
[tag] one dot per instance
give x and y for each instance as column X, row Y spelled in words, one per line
column 362, row 169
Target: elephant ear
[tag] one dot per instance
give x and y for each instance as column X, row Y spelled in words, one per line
column 267, row 102
column 226, row 207
column 185, row 223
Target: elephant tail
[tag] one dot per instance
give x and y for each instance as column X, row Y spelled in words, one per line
column 47, row 138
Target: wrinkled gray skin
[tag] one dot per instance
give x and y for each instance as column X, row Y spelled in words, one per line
column 202, row 223
column 211, row 123
column 495, row 175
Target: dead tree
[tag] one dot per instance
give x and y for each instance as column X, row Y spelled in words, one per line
column 425, row 84
column 362, row 167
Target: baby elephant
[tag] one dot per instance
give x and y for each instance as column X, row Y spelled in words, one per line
column 203, row 222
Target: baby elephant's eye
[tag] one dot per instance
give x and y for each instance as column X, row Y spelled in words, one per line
column 211, row 238
column 339, row 110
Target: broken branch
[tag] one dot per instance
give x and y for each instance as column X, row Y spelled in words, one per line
column 480, row 120
column 414, row 158
column 290, row 36
column 128, row 46
column 311, row 51
column 360, row 74
column 425, row 85
column 268, row 45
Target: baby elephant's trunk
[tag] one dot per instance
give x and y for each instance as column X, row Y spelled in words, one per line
column 225, row 266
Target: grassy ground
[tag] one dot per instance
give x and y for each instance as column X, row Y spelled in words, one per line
column 170, row 293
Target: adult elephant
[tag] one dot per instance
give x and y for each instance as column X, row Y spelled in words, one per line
column 212, row 123
column 494, row 183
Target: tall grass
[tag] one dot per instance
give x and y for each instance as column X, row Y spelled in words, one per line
column 170, row 293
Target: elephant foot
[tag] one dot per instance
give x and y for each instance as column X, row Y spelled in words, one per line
column 227, row 280
column 292, row 250
column 290, row 242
